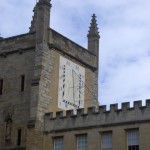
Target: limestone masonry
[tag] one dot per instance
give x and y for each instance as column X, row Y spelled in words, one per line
column 34, row 83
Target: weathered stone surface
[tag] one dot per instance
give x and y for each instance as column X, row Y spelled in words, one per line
column 98, row 118
column 36, row 55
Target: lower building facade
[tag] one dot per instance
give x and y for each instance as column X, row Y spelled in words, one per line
column 127, row 128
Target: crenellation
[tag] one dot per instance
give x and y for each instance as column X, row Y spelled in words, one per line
column 137, row 104
column 143, row 108
column 137, row 113
column 69, row 113
column 147, row 102
column 125, row 106
column 102, row 108
column 51, row 116
column 91, row 110
column 47, row 114
column 107, row 112
column 118, row 111
column 80, row 112
column 59, row 114
column 113, row 107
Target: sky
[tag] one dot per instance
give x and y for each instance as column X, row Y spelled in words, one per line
column 124, row 52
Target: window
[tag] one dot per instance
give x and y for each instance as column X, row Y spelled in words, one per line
column 58, row 143
column 1, row 86
column 133, row 139
column 81, row 142
column 22, row 82
column 106, row 141
column 19, row 137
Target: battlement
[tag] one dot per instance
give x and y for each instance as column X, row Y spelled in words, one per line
column 98, row 117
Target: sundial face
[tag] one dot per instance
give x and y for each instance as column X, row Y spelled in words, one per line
column 71, row 85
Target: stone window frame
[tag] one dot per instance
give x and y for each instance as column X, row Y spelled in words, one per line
column 58, row 143
column 132, row 139
column 82, row 141
column 106, row 140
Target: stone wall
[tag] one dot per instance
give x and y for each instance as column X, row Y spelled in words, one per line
column 95, row 123
column 16, row 59
column 68, row 47
column 76, row 53
column 98, row 118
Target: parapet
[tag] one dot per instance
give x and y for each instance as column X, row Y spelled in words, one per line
column 72, row 49
column 98, row 117
column 16, row 43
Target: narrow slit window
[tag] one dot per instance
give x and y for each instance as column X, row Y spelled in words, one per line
column 1, row 86
column 22, row 82
column 19, row 137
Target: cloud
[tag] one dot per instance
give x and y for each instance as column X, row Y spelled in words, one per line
column 124, row 44
column 125, row 61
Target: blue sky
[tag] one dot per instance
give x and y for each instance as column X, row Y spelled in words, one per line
column 124, row 26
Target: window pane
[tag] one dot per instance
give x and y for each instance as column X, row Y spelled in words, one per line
column 58, row 144
column 82, row 142
column 133, row 137
column 107, row 141
column 134, row 147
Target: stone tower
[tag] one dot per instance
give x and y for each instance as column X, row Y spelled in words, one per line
column 47, row 84
column 41, row 77
column 42, row 71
